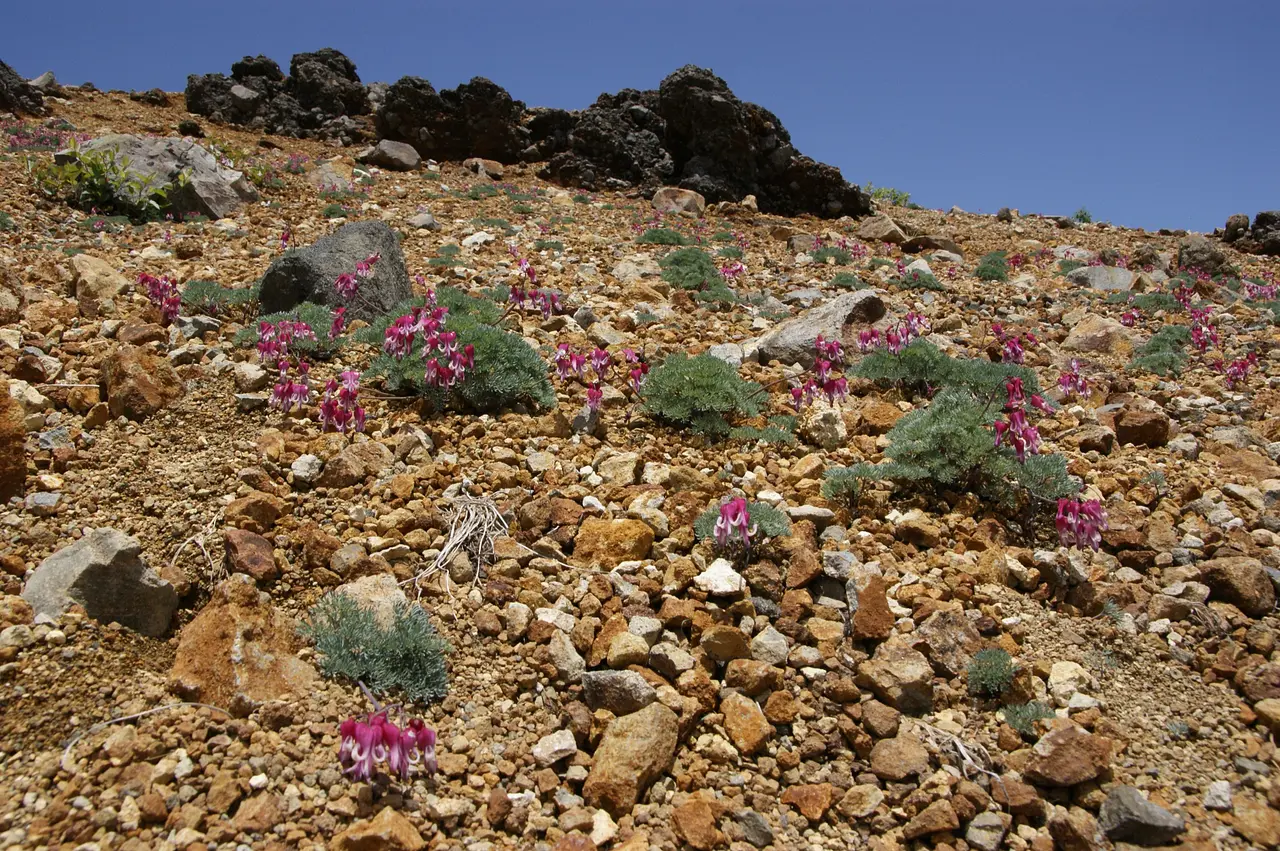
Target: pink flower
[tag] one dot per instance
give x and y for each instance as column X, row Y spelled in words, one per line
column 347, row 285
column 638, row 376
column 1080, row 523
column 1020, row 435
column 595, row 397
column 868, row 339
column 734, row 520
column 398, row 338
column 1072, row 382
column 339, row 323
column 831, row 350
column 1013, row 387
column 600, row 362
column 364, row 268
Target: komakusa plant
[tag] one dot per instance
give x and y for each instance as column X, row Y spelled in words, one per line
column 700, row 393
column 569, row 363
column 290, row 392
column 829, row 356
column 735, row 524
column 376, row 742
column 1080, row 523
column 339, row 410
column 163, row 294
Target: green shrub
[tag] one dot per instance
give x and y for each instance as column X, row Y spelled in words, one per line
column 522, row 209
column 646, row 317
column 889, row 195
column 844, row 484
column 405, row 655
column 317, row 316
column 1067, row 266
column 214, row 299
column 848, row 280
column 101, row 180
column 779, row 430
column 690, row 269
column 990, row 672
column 992, row 267
column 507, row 370
column 878, row 262
column 915, row 279
column 481, row 192
column 548, row 245
column 496, row 224
column 582, row 199
column 722, row 236
column 717, row 294
column 733, row 252
column 951, row 445
column 447, row 255
column 1023, row 717
column 337, row 211
column 923, row 366
column 1270, row 306
column 831, row 252
column 6, row 222
column 769, row 522
column 699, row 393
column 662, row 236
column 1164, row 354
column 1147, row 302
column 1083, row 216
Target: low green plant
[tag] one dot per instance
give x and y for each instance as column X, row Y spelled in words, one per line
column 447, row 255
column 878, row 262
column 1083, row 216
column 495, row 223
column 889, row 195
column 1147, row 302
column 722, row 236
column 337, row 211
column 582, row 199
column 733, row 252
column 402, row 653
column 993, row 267
column 950, row 445
column 213, row 299
column 662, row 236
column 101, row 180
column 646, row 317
column 701, row 393
column 990, row 672
column 6, row 222
column 923, row 367
column 548, row 245
column 917, row 279
column 319, row 317
column 522, row 209
column 1023, row 717
column 1165, row 353
column 768, row 521
column 844, row 484
column 849, row 281
column 1067, row 266
column 780, row 430
column 691, row 269
column 838, row 256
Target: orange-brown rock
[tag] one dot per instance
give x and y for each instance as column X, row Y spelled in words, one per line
column 608, row 543
column 239, row 651
column 13, row 434
column 137, row 383
column 387, row 831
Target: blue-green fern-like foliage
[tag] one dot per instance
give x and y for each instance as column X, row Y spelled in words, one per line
column 700, row 393
column 405, row 655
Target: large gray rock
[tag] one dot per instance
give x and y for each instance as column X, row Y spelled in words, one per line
column 211, row 189
column 620, row 692
column 792, row 341
column 395, row 156
column 16, row 94
column 1199, row 253
column 103, row 572
column 1126, row 816
column 308, row 273
column 1102, row 277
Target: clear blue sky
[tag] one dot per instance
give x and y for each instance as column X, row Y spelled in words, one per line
column 1152, row 114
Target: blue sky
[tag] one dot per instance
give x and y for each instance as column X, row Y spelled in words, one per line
column 1151, row 114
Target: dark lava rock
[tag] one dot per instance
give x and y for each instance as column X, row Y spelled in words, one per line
column 477, row 119
column 308, row 274
column 16, row 94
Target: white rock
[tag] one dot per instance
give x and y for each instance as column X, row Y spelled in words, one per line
column 552, row 748
column 720, row 578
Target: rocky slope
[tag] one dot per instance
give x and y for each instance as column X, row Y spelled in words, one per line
column 611, row 684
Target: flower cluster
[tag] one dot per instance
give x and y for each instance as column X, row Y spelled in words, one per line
column 1255, row 291
column 1081, row 523
column 1013, row 346
column 830, row 355
column 288, row 393
column 1130, row 317
column 1203, row 334
column 546, row 301
column 1015, row 430
column 339, row 411
column 1237, row 371
column 163, row 293
column 285, row 236
column 365, row 744
column 446, row 362
column 1072, row 382
column 569, row 362
column 732, row 271
column 734, row 522
column 639, row 370
column 348, row 283
column 339, row 323
column 274, row 338
column 896, row 338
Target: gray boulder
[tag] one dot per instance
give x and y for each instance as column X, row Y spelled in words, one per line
column 620, row 692
column 1200, row 253
column 308, row 274
column 792, row 341
column 211, row 189
column 1126, row 816
column 394, row 156
column 104, row 572
column 1102, row 277
column 16, row 94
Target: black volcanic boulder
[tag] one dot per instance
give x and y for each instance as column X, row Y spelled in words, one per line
column 1266, row 232
column 308, row 274
column 16, row 94
column 315, row 101
column 616, row 143
column 549, row 131
column 477, row 119
column 326, row 80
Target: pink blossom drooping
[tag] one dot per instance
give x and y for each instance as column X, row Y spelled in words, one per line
column 1081, row 523
column 376, row 740
column 733, row 523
